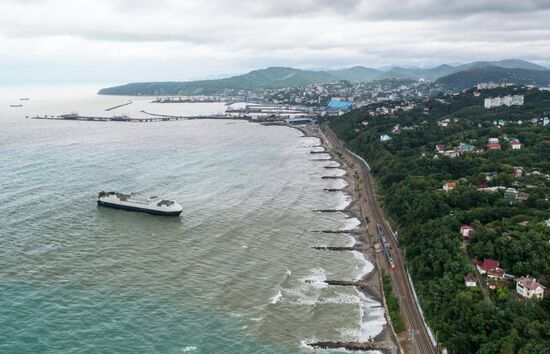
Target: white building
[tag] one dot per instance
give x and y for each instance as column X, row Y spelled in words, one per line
column 508, row 101
column 470, row 281
column 385, row 137
column 529, row 288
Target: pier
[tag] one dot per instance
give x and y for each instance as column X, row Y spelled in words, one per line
column 338, row 248
column 355, row 346
column 120, row 105
column 153, row 118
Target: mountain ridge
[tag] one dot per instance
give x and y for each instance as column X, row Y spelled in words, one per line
column 280, row 77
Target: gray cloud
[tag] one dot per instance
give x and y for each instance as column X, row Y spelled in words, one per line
column 235, row 36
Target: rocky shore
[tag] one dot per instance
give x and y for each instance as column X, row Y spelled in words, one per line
column 370, row 285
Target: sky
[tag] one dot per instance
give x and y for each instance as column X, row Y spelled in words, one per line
column 171, row 40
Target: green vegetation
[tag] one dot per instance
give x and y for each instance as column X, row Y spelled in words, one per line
column 465, row 79
column 393, row 305
column 461, row 76
column 410, row 177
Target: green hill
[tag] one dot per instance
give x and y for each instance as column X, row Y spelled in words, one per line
column 468, row 78
column 270, row 78
column 453, row 77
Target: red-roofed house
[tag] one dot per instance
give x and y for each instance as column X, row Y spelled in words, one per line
column 440, row 148
column 528, row 287
column 467, row 231
column 489, row 267
column 493, row 146
column 516, row 145
column 449, row 186
column 470, row 280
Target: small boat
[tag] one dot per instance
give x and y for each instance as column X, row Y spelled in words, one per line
column 16, row 105
column 24, row 99
column 137, row 202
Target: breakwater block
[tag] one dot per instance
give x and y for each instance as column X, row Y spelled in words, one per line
column 331, row 210
column 342, row 282
column 388, row 347
column 318, row 152
column 332, row 177
column 331, row 167
column 357, row 247
column 333, row 190
column 337, row 232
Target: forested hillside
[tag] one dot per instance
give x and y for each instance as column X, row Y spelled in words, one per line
column 509, row 226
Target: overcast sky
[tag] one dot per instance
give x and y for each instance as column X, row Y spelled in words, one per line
column 144, row 40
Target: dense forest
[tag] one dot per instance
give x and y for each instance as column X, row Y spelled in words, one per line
column 410, row 175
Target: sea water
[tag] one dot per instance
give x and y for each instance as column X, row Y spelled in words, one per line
column 235, row 273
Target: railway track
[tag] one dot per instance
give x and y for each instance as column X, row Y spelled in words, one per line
column 420, row 338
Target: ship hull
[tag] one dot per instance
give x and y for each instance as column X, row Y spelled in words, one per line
column 138, row 209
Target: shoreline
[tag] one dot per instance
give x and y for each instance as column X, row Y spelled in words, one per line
column 369, row 285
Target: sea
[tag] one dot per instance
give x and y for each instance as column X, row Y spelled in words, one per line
column 235, row 273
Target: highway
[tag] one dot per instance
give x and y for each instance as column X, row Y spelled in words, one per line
column 420, row 339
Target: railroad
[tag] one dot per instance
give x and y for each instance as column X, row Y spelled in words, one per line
column 420, row 336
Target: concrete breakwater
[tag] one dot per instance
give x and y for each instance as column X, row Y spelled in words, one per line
column 120, row 105
column 383, row 346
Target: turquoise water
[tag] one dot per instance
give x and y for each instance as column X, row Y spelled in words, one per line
column 234, row 274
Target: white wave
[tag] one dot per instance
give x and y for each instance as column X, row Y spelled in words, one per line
column 372, row 318
column 288, row 272
column 350, row 224
column 317, row 278
column 339, row 298
column 317, row 149
column 364, row 267
column 351, row 241
column 339, row 183
column 336, row 172
column 235, row 314
column 275, row 299
column 343, row 202
column 256, row 319
column 188, row 349
column 324, row 156
column 244, row 246
column 309, row 142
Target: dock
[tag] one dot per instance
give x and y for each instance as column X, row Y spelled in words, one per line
column 152, row 118
column 118, row 106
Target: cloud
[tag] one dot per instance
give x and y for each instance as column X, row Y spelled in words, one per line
column 200, row 38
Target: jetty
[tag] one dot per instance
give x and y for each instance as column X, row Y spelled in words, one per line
column 120, row 105
column 123, row 118
column 355, row 346
column 357, row 247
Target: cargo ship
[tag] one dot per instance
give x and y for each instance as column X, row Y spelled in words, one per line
column 137, row 202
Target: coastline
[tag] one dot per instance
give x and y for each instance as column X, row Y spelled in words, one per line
column 369, row 285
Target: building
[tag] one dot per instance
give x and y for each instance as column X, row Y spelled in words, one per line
column 493, row 140
column 493, row 146
column 385, row 137
column 529, row 288
column 470, row 280
column 464, row 147
column 490, row 267
column 337, row 105
column 440, row 148
column 508, row 101
column 449, row 186
column 467, row 231
column 299, row 121
column 452, row 153
column 517, row 172
column 516, row 145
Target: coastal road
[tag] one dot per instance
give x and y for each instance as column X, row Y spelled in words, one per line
column 420, row 339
